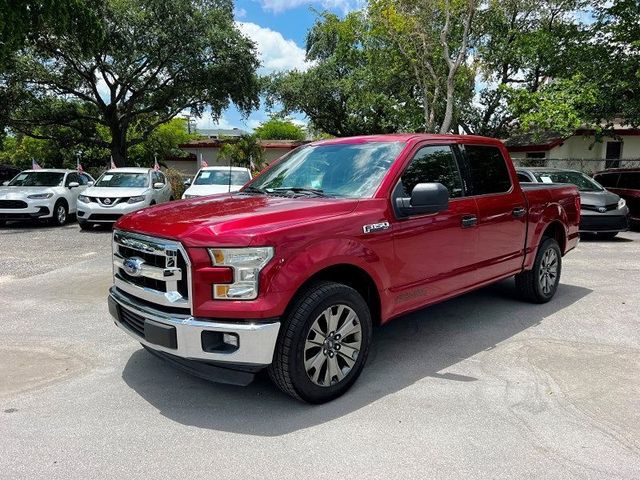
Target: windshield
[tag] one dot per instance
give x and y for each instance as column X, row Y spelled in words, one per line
column 123, row 179
column 37, row 179
column 580, row 180
column 221, row 177
column 343, row 170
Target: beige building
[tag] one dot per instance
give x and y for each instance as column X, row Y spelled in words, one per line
column 209, row 149
column 581, row 150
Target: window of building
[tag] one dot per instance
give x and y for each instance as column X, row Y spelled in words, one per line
column 613, row 154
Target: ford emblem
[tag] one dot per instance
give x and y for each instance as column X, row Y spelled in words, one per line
column 133, row 266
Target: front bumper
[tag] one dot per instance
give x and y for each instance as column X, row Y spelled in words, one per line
column 601, row 223
column 28, row 209
column 193, row 343
column 94, row 212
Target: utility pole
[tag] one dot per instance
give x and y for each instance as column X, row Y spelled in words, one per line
column 190, row 122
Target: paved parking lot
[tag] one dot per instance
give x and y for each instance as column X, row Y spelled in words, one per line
column 482, row 386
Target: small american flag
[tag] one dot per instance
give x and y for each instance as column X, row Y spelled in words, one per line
column 35, row 166
column 156, row 165
column 203, row 162
column 113, row 164
column 79, row 165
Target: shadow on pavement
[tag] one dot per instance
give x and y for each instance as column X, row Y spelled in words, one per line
column 413, row 347
column 591, row 238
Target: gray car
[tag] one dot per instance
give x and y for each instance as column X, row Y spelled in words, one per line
column 602, row 211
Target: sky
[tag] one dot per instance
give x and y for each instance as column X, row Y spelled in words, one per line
column 278, row 28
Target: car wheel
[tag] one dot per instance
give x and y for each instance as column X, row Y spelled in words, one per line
column 540, row 284
column 85, row 225
column 608, row 235
column 60, row 214
column 323, row 343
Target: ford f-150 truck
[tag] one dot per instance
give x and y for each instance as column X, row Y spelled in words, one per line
column 292, row 272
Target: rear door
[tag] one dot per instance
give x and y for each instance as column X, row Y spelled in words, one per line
column 502, row 219
column 433, row 252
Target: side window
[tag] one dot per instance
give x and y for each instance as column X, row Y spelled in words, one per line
column 72, row 177
column 630, row 180
column 607, row 180
column 82, row 180
column 524, row 178
column 433, row 164
column 488, row 170
column 157, row 177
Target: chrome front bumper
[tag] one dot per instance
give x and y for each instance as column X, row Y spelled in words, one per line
column 256, row 341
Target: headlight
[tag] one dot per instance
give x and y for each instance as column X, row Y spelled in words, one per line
column 246, row 264
column 84, row 199
column 622, row 203
column 40, row 196
column 138, row 199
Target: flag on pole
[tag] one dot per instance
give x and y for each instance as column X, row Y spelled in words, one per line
column 203, row 162
column 35, row 166
column 78, row 164
column 113, row 164
column 156, row 166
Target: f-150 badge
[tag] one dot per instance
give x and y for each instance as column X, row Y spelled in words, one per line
column 375, row 227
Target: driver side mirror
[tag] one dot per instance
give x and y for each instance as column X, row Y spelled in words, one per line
column 187, row 182
column 425, row 198
column 73, row 184
column 90, row 184
column 158, row 185
column 5, row 183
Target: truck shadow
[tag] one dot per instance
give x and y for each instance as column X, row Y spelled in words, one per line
column 422, row 344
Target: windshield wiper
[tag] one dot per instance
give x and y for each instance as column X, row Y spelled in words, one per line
column 302, row 190
column 252, row 189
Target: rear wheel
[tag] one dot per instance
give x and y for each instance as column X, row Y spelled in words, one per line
column 323, row 344
column 60, row 214
column 540, row 284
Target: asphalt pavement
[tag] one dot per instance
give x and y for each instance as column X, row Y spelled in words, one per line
column 482, row 386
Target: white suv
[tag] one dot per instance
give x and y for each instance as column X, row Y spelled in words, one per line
column 212, row 180
column 120, row 191
column 50, row 194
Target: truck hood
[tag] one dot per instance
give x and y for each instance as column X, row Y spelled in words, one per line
column 231, row 219
column 115, row 192
column 203, row 190
column 598, row 199
column 13, row 193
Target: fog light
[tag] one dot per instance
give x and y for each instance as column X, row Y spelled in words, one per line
column 231, row 339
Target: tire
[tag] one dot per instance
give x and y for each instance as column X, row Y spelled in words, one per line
column 608, row 235
column 330, row 371
column 540, row 284
column 60, row 214
column 85, row 225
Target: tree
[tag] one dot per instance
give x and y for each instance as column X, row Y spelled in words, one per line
column 358, row 83
column 163, row 143
column 246, row 151
column 150, row 61
column 279, row 129
column 433, row 37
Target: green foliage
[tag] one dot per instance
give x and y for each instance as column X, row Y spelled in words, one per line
column 177, row 182
column 163, row 142
column 150, row 60
column 246, row 151
column 279, row 129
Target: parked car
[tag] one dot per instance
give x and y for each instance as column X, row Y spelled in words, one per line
column 602, row 212
column 49, row 194
column 120, row 191
column 7, row 172
column 212, row 180
column 626, row 183
column 292, row 272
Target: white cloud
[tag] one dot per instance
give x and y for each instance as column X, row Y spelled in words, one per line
column 240, row 13
column 275, row 52
column 277, row 6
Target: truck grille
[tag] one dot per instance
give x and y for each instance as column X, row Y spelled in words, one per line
column 152, row 269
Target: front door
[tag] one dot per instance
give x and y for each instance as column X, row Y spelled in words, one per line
column 433, row 252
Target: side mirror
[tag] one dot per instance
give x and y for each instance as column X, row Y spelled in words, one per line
column 90, row 184
column 74, row 184
column 187, row 182
column 425, row 198
column 5, row 183
column 158, row 185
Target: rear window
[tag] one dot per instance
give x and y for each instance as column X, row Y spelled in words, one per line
column 488, row 169
column 629, row 180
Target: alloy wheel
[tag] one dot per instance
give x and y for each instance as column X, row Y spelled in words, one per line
column 61, row 214
column 548, row 271
column 332, row 345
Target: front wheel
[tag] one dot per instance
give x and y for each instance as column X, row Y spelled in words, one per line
column 60, row 214
column 323, row 344
column 539, row 284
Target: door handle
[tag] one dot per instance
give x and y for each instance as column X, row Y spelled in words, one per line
column 469, row 221
column 519, row 212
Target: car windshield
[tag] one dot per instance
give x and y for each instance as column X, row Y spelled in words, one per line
column 123, row 179
column 37, row 179
column 221, row 177
column 342, row 170
column 580, row 180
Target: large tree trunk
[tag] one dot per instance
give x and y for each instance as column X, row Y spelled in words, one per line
column 119, row 144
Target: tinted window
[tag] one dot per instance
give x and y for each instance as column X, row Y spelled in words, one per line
column 523, row 178
column 607, row 179
column 630, row 180
column 433, row 164
column 489, row 173
column 72, row 177
column 158, row 177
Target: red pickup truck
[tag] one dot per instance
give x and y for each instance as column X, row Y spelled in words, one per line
column 291, row 273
